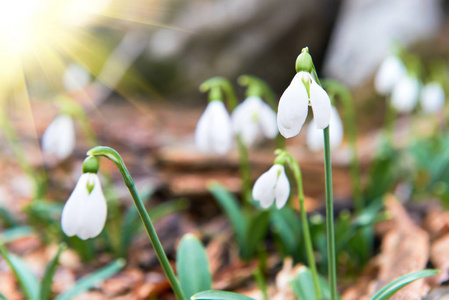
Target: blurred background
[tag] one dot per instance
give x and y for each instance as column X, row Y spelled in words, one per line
column 165, row 49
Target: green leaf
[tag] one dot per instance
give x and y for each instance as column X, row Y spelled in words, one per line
column 47, row 280
column 219, row 295
column 3, row 297
column 287, row 227
column 256, row 232
column 390, row 289
column 230, row 206
column 89, row 281
column 15, row 233
column 28, row 282
column 8, row 217
column 193, row 266
column 302, row 285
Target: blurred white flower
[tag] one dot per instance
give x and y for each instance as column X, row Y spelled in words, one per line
column 432, row 97
column 315, row 138
column 390, row 72
column 75, row 78
column 213, row 132
column 59, row 137
column 253, row 119
column 85, row 212
column 294, row 104
column 405, row 94
column 272, row 186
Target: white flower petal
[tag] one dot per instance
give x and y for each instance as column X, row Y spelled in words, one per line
column 253, row 117
column 390, row 72
column 84, row 214
column 264, row 188
column 282, row 190
column 75, row 78
column 315, row 139
column 213, row 133
column 202, row 132
column 74, row 209
column 293, row 107
column 405, row 94
column 335, row 130
column 220, row 133
column 267, row 121
column 321, row 105
column 432, row 98
column 59, row 137
column 95, row 211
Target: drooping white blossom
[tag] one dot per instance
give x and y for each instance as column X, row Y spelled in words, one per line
column 213, row 134
column 272, row 186
column 294, row 103
column 75, row 78
column 252, row 119
column 315, row 138
column 390, row 72
column 85, row 212
column 432, row 97
column 405, row 94
column 59, row 137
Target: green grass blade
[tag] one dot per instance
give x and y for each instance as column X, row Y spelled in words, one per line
column 230, row 206
column 89, row 281
column 28, row 282
column 192, row 265
column 47, row 280
column 390, row 289
column 219, row 295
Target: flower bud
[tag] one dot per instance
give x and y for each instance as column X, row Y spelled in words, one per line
column 90, row 165
column 304, row 61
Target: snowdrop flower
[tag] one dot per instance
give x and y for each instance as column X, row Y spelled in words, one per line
column 85, row 212
column 272, row 186
column 432, row 97
column 390, row 72
column 315, row 140
column 59, row 137
column 253, row 118
column 405, row 94
column 294, row 103
column 75, row 78
column 213, row 132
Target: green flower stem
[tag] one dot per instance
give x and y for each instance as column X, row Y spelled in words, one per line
column 294, row 166
column 330, row 230
column 245, row 172
column 350, row 127
column 112, row 155
column 330, row 218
